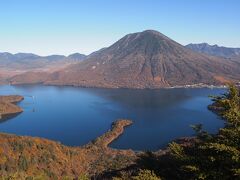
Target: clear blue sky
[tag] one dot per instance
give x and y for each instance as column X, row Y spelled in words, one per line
column 67, row 26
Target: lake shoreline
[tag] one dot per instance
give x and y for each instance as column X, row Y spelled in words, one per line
column 191, row 86
column 106, row 103
column 96, row 157
column 8, row 106
column 111, row 135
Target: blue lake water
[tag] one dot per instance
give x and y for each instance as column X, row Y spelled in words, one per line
column 75, row 116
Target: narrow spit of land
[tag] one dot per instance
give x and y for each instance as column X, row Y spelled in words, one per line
column 8, row 105
column 31, row 156
column 116, row 130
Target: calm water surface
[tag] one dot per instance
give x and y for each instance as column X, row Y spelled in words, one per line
column 74, row 116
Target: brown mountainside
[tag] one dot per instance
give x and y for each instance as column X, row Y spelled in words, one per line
column 147, row 59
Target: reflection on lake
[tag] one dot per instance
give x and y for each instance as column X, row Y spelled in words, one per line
column 74, row 116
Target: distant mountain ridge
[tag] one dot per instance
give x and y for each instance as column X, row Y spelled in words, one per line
column 77, row 56
column 19, row 56
column 25, row 61
column 215, row 50
column 145, row 59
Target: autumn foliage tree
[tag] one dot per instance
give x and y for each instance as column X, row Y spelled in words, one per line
column 214, row 156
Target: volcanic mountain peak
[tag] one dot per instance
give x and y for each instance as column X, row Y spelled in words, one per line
column 145, row 34
column 145, row 59
column 147, row 44
column 154, row 33
column 143, row 39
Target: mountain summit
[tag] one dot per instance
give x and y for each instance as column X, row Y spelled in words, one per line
column 146, row 59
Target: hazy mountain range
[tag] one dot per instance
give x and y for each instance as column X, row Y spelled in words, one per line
column 215, row 50
column 23, row 61
column 14, row 64
column 145, row 59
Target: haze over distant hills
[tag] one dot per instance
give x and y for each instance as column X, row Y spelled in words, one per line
column 13, row 64
column 145, row 59
column 215, row 50
column 23, row 61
